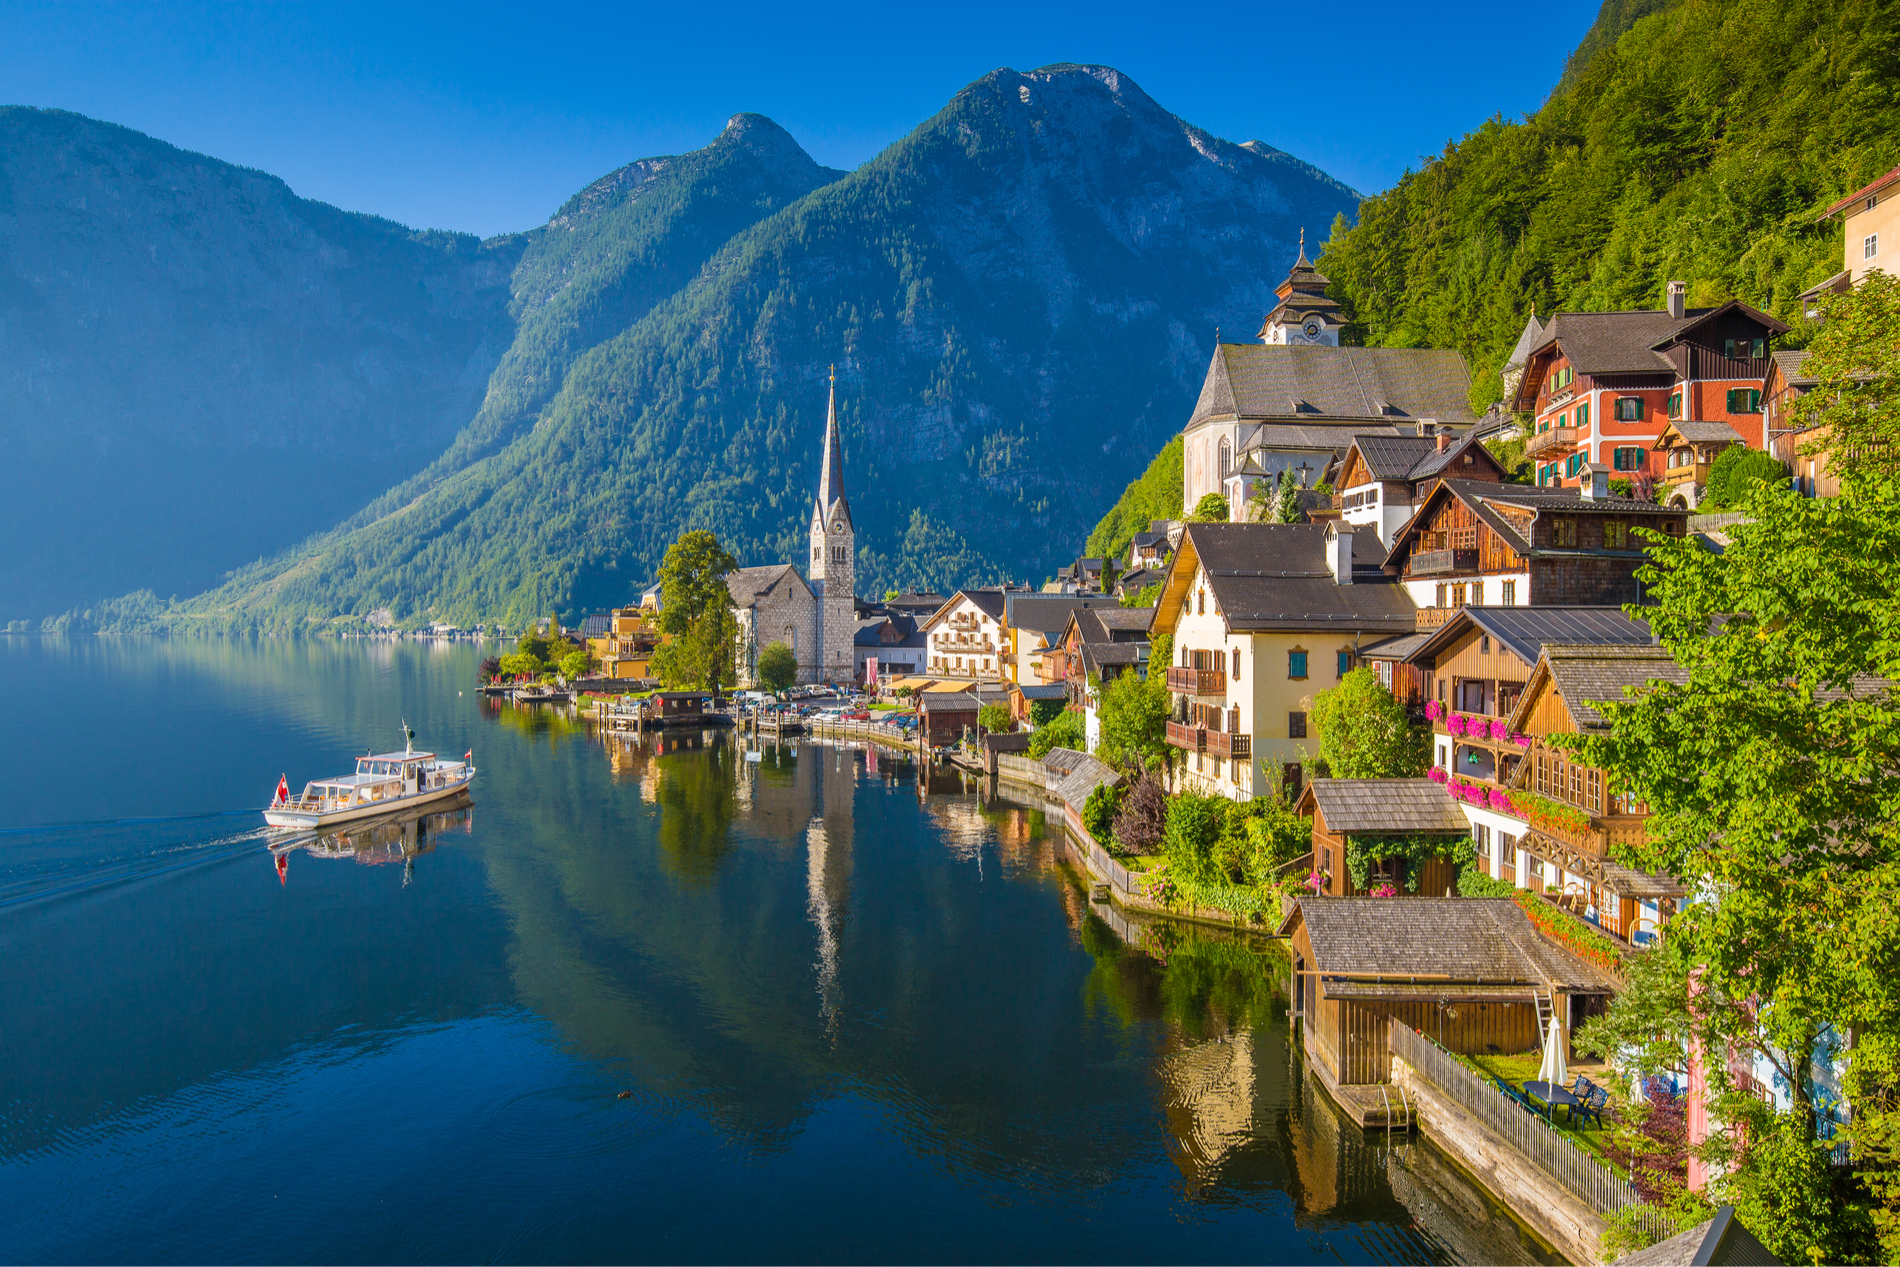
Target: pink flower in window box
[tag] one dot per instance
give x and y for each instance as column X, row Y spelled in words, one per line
column 1433, row 710
column 1385, row 890
column 1500, row 729
column 1522, row 741
column 1437, row 774
column 1498, row 799
column 1455, row 724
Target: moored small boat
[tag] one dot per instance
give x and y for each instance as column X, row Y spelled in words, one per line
column 384, row 783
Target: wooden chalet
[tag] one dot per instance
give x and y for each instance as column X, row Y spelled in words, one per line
column 677, row 706
column 1793, row 435
column 1382, row 477
column 1472, row 973
column 1508, row 545
column 1574, row 816
column 1689, row 449
column 1358, row 813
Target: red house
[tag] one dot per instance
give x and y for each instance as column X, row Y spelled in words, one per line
column 1601, row 386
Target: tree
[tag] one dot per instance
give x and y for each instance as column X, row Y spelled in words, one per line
column 1142, row 819
column 1211, row 509
column 995, row 718
column 1771, row 773
column 1364, row 732
column 696, row 609
column 1286, row 502
column 1133, row 715
column 575, row 664
column 1195, row 823
column 1065, row 731
column 1736, row 470
column 521, row 664
column 1044, row 711
column 778, row 667
column 1148, row 596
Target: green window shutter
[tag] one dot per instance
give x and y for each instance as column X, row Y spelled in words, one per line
column 1583, row 415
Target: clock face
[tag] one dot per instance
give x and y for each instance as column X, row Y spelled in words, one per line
column 1312, row 328
column 838, row 527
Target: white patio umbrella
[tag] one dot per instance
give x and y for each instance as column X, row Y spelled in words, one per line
column 1552, row 1070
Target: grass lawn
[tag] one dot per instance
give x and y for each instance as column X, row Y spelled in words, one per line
column 1519, row 1069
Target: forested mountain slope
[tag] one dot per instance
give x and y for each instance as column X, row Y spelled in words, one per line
column 1699, row 143
column 1020, row 297
column 198, row 367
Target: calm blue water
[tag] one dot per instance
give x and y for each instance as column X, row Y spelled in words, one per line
column 862, row 1016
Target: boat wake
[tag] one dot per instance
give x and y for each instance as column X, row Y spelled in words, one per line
column 39, row 864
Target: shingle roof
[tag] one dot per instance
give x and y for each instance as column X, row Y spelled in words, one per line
column 1048, row 614
column 1386, row 806
column 1114, row 623
column 1477, row 940
column 1528, row 342
column 948, row 701
column 1721, row 1242
column 1051, row 690
column 1482, row 496
column 1591, row 674
column 1392, row 457
column 1097, row 654
column 1257, row 380
column 1274, row 576
column 1319, row 436
column 1791, row 363
column 748, row 585
column 1699, row 432
column 1399, row 648
column 1617, row 342
column 1525, row 630
column 1085, row 774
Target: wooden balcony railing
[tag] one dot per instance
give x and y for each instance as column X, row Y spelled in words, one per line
column 1555, row 438
column 1432, row 617
column 1183, row 735
column 1197, row 681
column 1221, row 743
column 1433, row 562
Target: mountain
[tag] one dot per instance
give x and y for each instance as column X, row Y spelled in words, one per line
column 199, row 368
column 1020, row 298
column 1690, row 139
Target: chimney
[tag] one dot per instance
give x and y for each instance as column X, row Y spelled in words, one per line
column 1339, row 551
column 1444, row 441
column 1678, row 299
column 1595, row 482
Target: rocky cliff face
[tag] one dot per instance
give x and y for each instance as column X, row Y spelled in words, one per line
column 1021, row 298
column 197, row 367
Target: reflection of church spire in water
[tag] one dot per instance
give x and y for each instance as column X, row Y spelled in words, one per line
column 828, row 869
column 818, row 906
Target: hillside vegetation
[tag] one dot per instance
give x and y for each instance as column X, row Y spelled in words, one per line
column 1155, row 494
column 1698, row 144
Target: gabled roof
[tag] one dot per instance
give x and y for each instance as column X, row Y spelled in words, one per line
column 1446, row 939
column 989, row 601
column 1384, row 806
column 1719, row 1242
column 748, row 585
column 1525, row 630
column 1097, row 654
column 1274, row 577
column 1631, row 342
column 1873, row 187
column 1696, row 431
column 1486, row 500
column 1041, row 690
column 1114, row 623
column 1048, row 614
column 1584, row 676
column 1413, row 458
column 1790, row 363
column 1258, row 380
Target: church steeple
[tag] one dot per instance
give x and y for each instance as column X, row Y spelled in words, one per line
column 1304, row 314
column 831, row 499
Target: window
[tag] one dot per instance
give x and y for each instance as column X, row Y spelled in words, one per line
column 1203, row 602
column 1481, row 837
column 814, row 554
column 1573, row 463
column 1477, row 593
column 1344, row 664
column 1296, row 725
column 1509, row 595
column 1507, row 850
column 1675, row 404
column 1236, row 664
column 1441, row 595
column 1629, row 408
column 1758, row 348
column 1441, row 690
column 1583, row 415
column 1627, row 459
column 1226, row 457
column 1291, row 779
column 1563, row 419
column 1563, row 531
column 1457, row 596
column 1744, row 400
column 1296, row 665
column 1593, row 791
column 1870, row 246
column 1616, row 535
column 1484, row 644
column 1728, row 348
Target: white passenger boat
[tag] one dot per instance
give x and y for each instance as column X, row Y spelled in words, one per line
column 384, row 783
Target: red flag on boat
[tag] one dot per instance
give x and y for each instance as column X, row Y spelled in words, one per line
column 469, row 755
column 283, row 789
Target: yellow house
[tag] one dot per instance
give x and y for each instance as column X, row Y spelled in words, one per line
column 626, row 650
column 1263, row 618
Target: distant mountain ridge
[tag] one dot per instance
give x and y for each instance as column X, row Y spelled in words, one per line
column 198, row 367
column 1020, row 296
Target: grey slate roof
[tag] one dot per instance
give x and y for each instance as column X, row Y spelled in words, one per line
column 1274, row 576
column 1095, row 655
column 1084, row 775
column 1791, row 363
column 1257, row 380
column 1721, row 1242
column 1697, row 431
column 948, row 702
column 1038, row 690
column 1476, row 940
column 1400, row 648
column 1387, row 806
column 596, row 626
column 1483, row 495
column 1392, row 457
column 1525, row 630
column 1617, row 342
column 1589, row 674
column 1114, row 623
column 748, row 585
column 1048, row 614
column 1528, row 341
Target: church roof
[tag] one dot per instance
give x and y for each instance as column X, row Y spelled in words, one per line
column 1309, row 384
column 1528, row 342
column 748, row 585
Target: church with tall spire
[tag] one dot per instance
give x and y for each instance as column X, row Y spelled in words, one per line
column 834, row 552
column 815, row 613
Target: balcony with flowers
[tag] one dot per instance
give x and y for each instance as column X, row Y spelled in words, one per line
column 1483, row 747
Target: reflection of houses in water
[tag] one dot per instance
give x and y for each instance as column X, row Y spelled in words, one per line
column 1209, row 1102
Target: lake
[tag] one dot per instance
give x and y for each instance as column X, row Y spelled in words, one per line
column 636, row 1001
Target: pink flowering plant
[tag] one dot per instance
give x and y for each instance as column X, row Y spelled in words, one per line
column 1438, row 774
column 1500, row 729
column 1385, row 890
column 1434, row 710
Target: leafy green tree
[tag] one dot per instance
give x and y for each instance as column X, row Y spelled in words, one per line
column 1147, row 596
column 1065, row 731
column 995, row 718
column 778, row 667
column 522, row 664
column 1211, row 509
column 1364, row 732
column 1044, row 711
column 1133, row 715
column 1098, row 812
column 1192, row 837
column 1853, row 410
column 575, row 664
column 538, row 645
column 1736, row 470
column 696, row 609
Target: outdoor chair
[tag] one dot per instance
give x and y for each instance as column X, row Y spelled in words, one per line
column 1517, row 1097
column 1592, row 1100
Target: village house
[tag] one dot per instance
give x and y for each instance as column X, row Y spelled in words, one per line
column 1032, row 624
column 1506, row 545
column 965, row 637
column 1289, row 406
column 1688, row 450
column 1263, row 617
column 1602, row 385
column 1473, row 974
column 1098, row 645
column 624, row 649
column 1382, row 477
column 1153, row 548
column 1793, row 437
column 944, row 717
column 1353, row 817
column 889, row 645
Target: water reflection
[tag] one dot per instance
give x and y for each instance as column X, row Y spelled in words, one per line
column 400, row 838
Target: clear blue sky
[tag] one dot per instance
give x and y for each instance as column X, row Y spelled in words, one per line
column 486, row 119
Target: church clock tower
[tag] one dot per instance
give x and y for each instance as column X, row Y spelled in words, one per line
column 834, row 555
column 1304, row 313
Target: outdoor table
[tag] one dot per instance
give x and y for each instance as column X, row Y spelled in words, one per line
column 1552, row 1095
